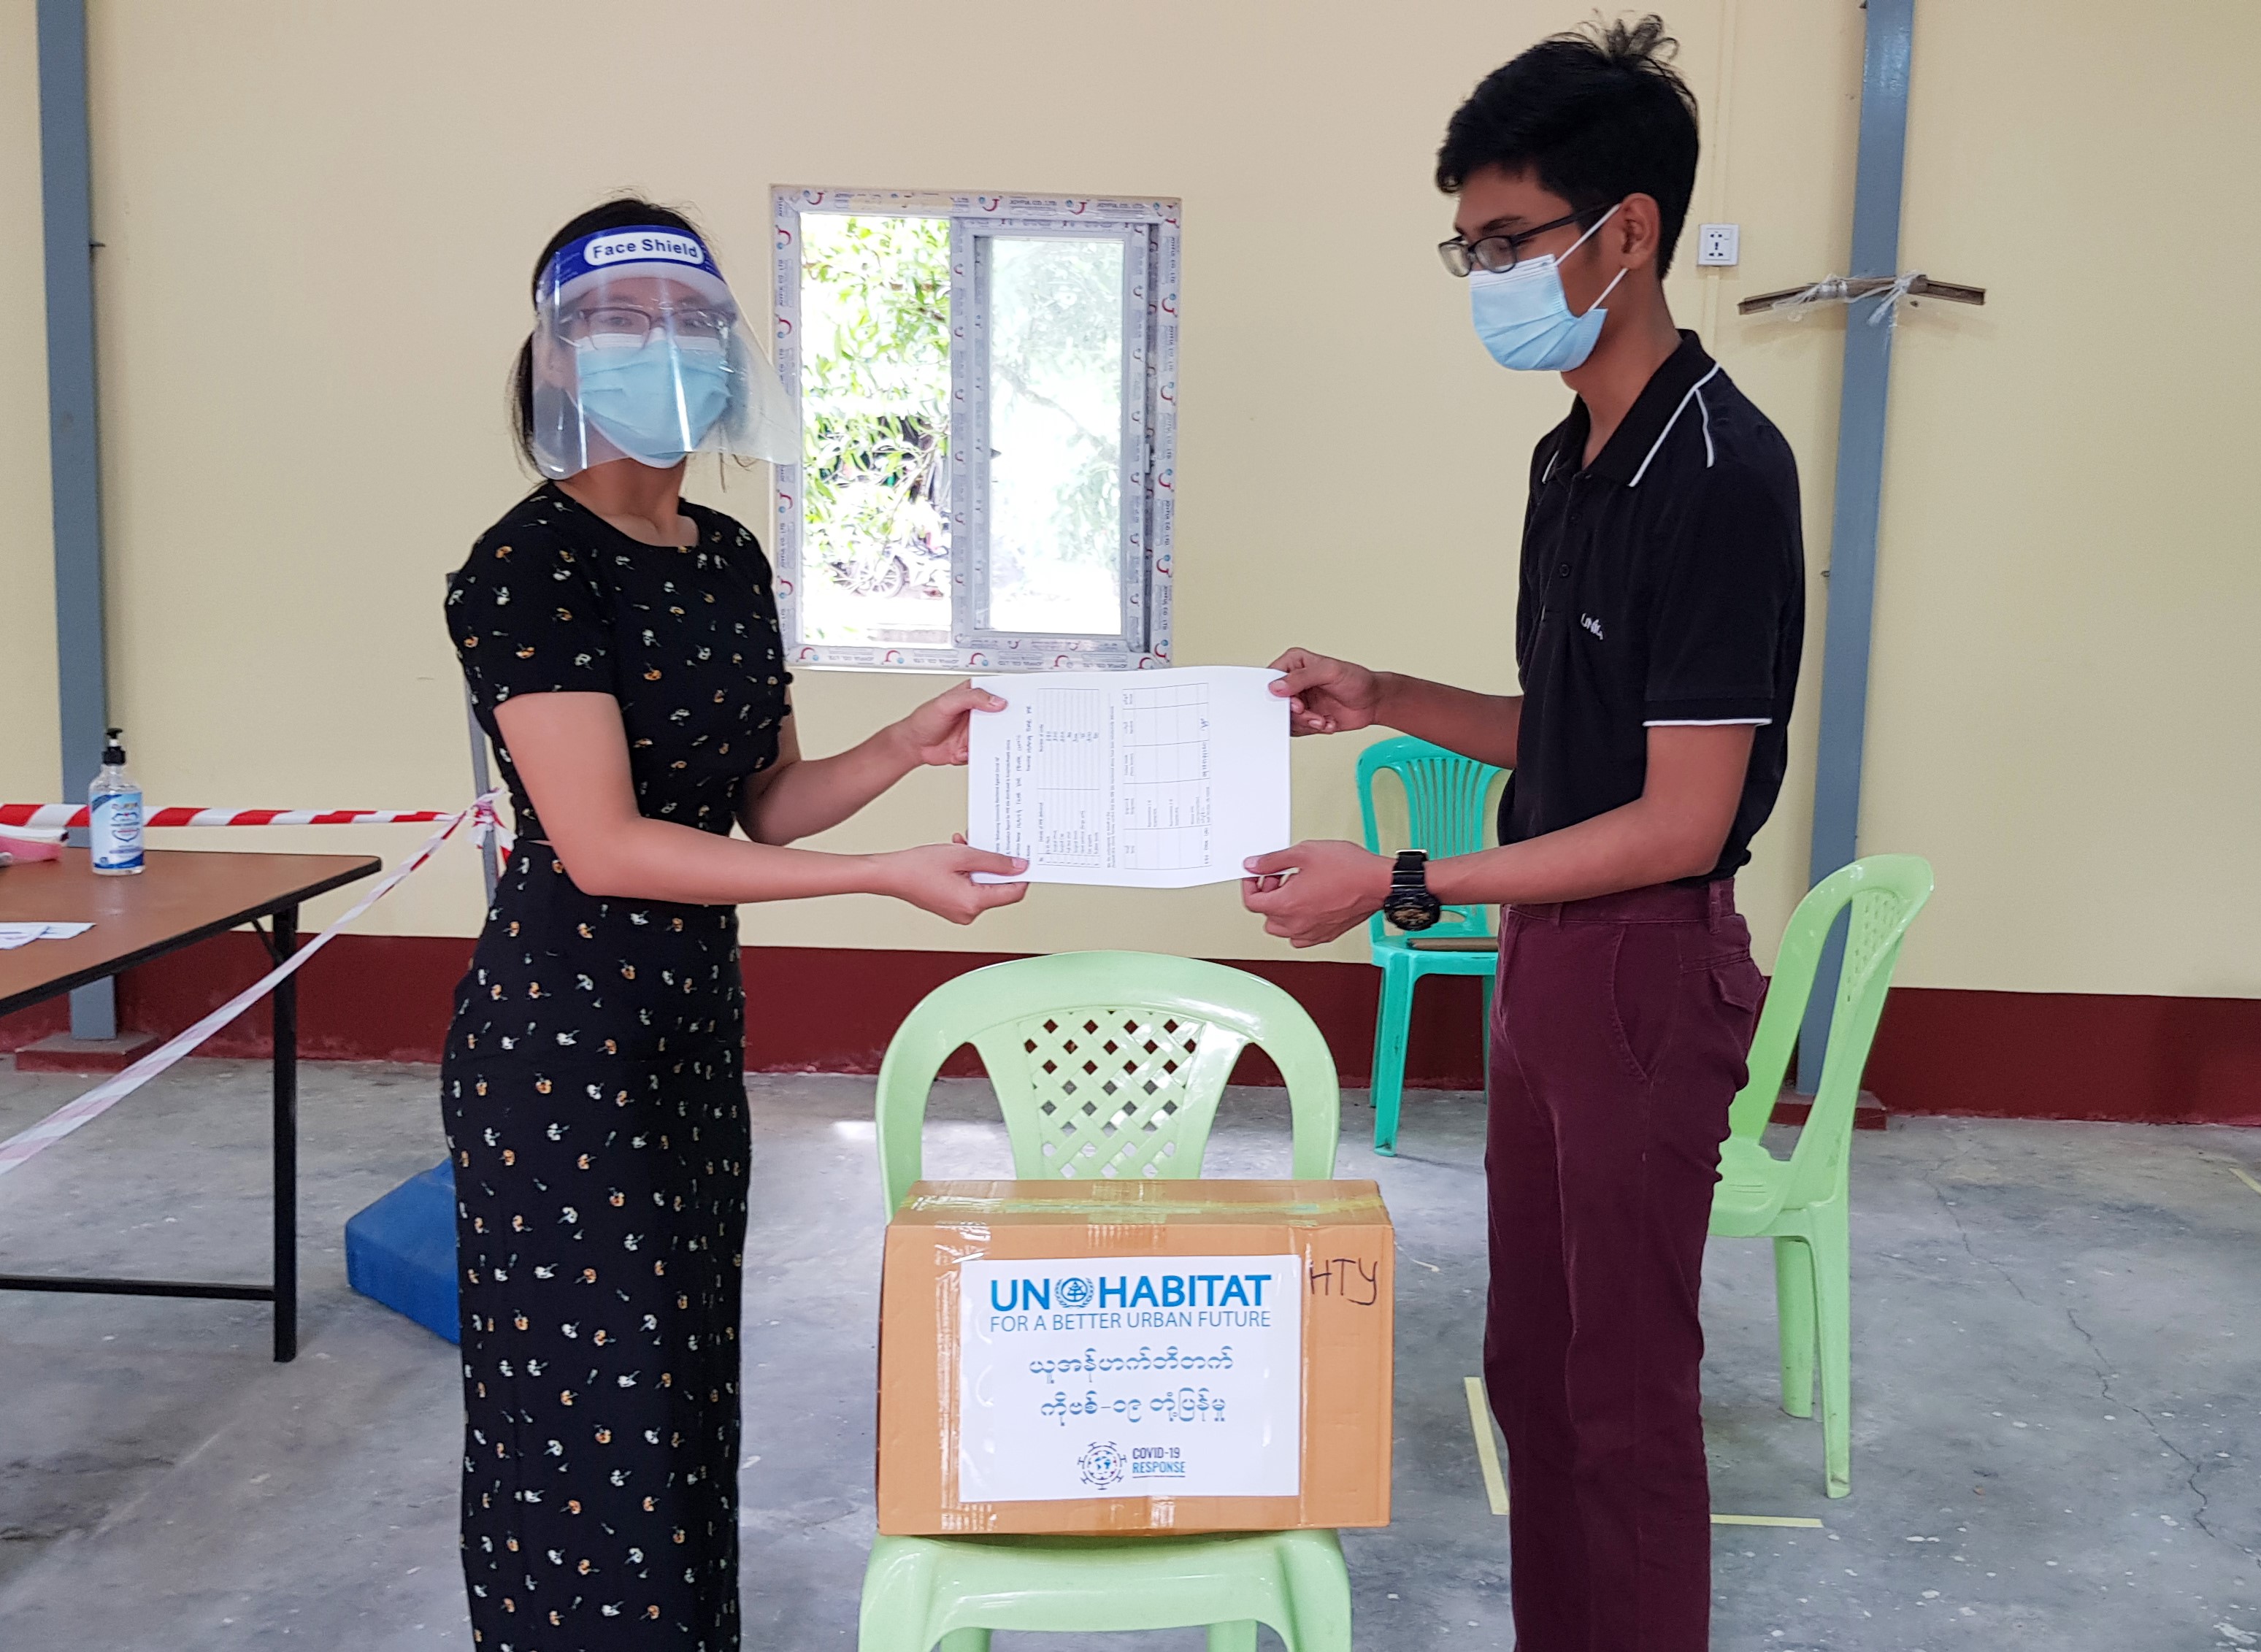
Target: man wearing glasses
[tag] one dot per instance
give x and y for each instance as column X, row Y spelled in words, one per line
column 1658, row 624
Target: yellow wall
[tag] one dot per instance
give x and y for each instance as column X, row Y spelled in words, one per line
column 2066, row 675
column 319, row 223
column 28, row 743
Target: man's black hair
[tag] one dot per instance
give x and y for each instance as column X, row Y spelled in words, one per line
column 1595, row 116
column 623, row 212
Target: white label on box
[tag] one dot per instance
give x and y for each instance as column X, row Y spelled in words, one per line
column 1169, row 1376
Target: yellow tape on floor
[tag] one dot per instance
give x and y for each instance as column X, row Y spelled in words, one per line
column 2237, row 1172
column 1487, row 1448
column 1798, row 1520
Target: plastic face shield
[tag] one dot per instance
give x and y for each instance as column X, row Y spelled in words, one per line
column 639, row 353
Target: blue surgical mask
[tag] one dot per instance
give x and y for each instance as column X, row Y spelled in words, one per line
column 629, row 393
column 1524, row 319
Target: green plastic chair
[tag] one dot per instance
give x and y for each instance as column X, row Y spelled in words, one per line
column 1106, row 1064
column 921, row 1592
column 1802, row 1203
column 1448, row 813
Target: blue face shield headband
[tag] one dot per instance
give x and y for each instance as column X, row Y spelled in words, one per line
column 1524, row 319
column 639, row 352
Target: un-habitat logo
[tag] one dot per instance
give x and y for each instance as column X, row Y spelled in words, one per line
column 1102, row 1464
column 1131, row 1290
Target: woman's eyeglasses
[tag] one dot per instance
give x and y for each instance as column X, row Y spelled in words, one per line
column 620, row 321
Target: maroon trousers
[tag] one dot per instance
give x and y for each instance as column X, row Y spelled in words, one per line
column 1620, row 1030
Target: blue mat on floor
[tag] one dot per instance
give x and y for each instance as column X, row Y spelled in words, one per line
column 401, row 1250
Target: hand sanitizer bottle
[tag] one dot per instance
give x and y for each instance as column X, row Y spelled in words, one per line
column 114, row 813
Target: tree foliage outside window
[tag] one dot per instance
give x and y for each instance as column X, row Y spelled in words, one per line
column 875, row 389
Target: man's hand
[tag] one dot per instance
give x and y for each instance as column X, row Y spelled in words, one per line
column 937, row 732
column 1336, row 886
column 1326, row 696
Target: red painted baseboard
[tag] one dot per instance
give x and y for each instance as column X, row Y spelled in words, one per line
column 809, row 1010
column 2070, row 1055
column 62, row 1054
column 366, row 998
column 830, row 1009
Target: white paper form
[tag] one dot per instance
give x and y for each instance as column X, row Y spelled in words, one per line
column 15, row 934
column 1143, row 779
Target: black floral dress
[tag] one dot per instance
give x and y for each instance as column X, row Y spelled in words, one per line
column 595, row 1108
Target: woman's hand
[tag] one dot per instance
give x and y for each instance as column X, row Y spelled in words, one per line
column 938, row 878
column 937, row 733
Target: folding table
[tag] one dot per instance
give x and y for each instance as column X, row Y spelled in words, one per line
column 185, row 896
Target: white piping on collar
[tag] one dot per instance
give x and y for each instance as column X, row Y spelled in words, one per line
column 1675, row 420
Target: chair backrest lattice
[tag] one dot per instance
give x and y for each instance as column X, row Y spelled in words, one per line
column 1884, row 892
column 1112, row 1088
column 1879, row 918
column 1448, row 811
column 1106, row 1064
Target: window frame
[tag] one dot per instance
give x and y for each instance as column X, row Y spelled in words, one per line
column 1149, row 232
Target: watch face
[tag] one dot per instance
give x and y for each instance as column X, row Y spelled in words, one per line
column 1412, row 911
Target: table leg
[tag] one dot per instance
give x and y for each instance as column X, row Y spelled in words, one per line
column 283, row 942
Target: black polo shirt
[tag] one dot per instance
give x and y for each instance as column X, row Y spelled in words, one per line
column 1662, row 584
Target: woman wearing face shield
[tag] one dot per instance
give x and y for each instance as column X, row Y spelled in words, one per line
column 622, row 649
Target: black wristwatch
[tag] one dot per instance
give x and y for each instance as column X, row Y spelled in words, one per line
column 1408, row 904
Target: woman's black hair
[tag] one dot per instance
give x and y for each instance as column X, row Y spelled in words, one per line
column 626, row 211
column 1596, row 116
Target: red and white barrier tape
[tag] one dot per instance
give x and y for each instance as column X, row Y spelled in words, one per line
column 29, row 1144
column 50, row 817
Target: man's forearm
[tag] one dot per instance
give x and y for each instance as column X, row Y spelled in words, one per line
column 1627, row 848
column 1479, row 726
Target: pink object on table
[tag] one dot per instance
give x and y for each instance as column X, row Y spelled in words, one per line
column 15, row 848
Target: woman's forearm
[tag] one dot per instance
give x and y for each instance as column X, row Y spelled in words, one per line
column 644, row 860
column 572, row 757
column 807, row 795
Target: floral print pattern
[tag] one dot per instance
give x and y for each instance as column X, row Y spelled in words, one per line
column 595, row 1106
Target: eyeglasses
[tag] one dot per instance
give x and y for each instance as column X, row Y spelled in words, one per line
column 1500, row 253
column 620, row 322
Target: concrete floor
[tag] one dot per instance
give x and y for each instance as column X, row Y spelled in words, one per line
column 2057, row 1354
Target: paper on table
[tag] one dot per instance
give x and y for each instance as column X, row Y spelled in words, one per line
column 16, row 935
column 1145, row 780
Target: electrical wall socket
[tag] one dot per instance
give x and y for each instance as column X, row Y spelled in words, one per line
column 1719, row 243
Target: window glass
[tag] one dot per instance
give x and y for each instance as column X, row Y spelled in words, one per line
column 875, row 418
column 1055, row 372
column 987, row 386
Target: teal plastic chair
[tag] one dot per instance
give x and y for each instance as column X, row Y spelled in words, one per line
column 1106, row 1064
column 1802, row 1203
column 1447, row 807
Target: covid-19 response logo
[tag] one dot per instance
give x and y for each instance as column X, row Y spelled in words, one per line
column 1102, row 1465
column 1075, row 1293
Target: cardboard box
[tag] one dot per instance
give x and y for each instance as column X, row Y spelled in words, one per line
column 1141, row 1355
